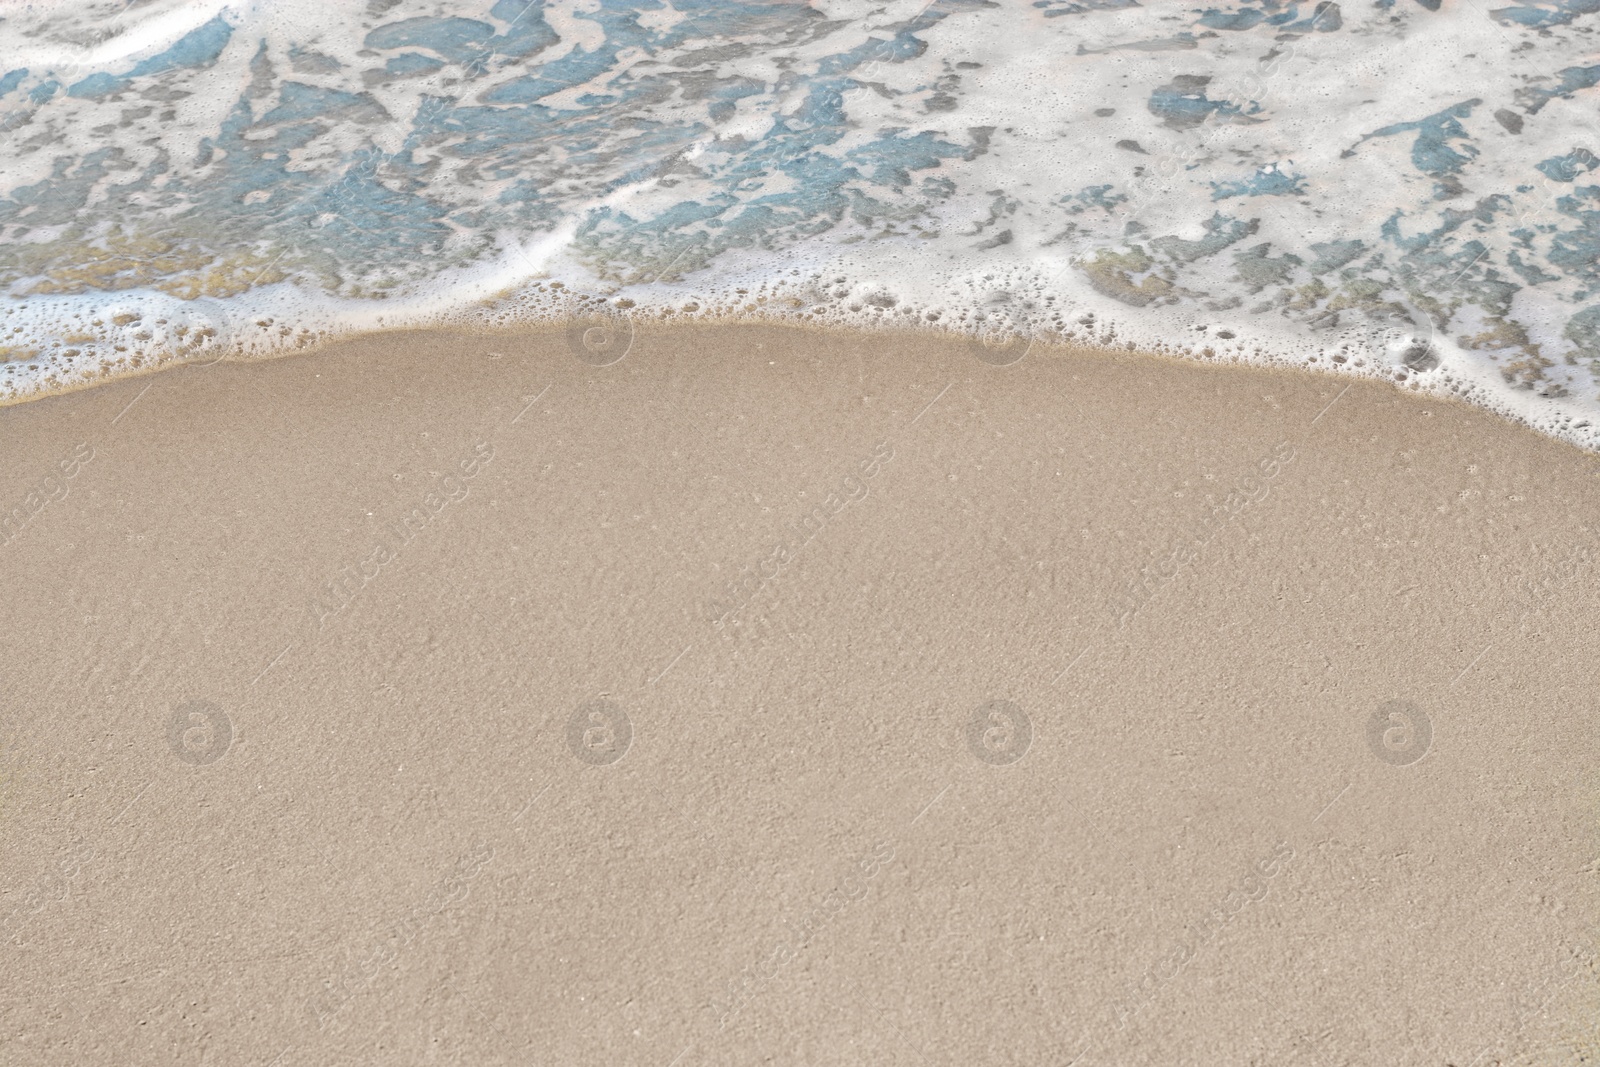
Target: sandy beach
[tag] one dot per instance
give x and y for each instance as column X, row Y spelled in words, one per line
column 774, row 695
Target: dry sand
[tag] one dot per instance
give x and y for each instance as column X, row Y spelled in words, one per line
column 375, row 833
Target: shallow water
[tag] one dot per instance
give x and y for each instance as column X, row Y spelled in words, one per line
column 1379, row 188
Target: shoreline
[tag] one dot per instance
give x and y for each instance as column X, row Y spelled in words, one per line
column 1045, row 345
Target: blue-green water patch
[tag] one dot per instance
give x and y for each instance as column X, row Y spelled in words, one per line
column 1268, row 181
column 198, row 48
column 1431, row 152
column 1568, row 167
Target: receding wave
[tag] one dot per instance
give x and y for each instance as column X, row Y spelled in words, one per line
column 1400, row 189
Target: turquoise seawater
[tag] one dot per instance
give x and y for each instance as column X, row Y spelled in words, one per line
column 1408, row 188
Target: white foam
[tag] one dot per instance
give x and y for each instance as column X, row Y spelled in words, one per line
column 989, row 222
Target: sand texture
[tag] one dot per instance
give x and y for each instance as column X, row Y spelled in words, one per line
column 780, row 696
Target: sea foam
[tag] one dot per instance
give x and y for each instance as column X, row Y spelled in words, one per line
column 1380, row 189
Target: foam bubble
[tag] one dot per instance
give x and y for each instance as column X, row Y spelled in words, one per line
column 184, row 183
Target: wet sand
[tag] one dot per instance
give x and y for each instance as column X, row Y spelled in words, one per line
column 772, row 695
